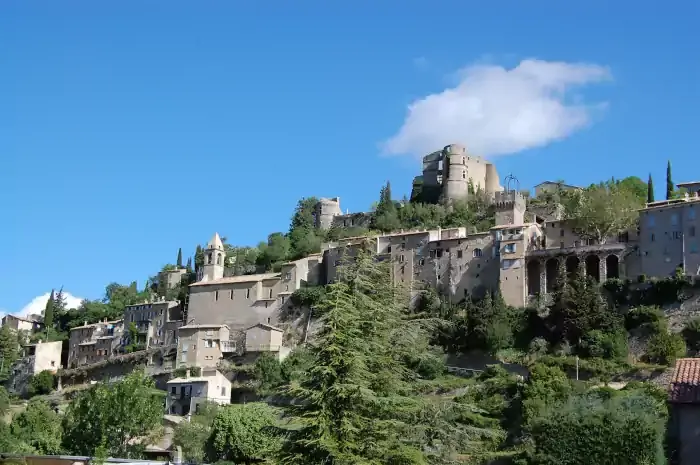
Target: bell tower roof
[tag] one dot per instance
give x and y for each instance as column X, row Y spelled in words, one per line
column 215, row 243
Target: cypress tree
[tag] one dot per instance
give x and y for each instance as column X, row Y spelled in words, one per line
column 49, row 311
column 179, row 257
column 650, row 190
column 669, row 182
column 189, row 264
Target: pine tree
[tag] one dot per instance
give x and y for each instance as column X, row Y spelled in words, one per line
column 650, row 190
column 49, row 311
column 669, row 182
column 179, row 258
column 350, row 402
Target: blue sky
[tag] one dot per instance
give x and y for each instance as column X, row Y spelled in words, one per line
column 129, row 129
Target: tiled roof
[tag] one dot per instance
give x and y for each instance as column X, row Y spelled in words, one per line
column 685, row 383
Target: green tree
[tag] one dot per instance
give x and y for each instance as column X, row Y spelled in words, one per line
column 650, row 189
column 601, row 212
column 385, row 216
column 268, row 373
column 670, row 187
column 243, row 434
column 9, row 346
column 4, row 402
column 39, row 426
column 179, row 258
column 49, row 312
column 114, row 416
column 198, row 258
column 192, row 436
column 273, row 252
column 303, row 238
column 10, row 444
column 353, row 404
column 41, row 383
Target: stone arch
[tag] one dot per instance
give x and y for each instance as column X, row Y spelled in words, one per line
column 612, row 266
column 218, row 259
column 209, row 258
column 533, row 277
column 552, row 273
column 572, row 265
column 593, row 267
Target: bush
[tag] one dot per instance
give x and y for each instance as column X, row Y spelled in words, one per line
column 650, row 318
column 587, row 429
column 42, row 383
column 538, row 346
column 691, row 334
column 611, row 346
column 664, row 348
column 268, row 372
column 428, row 365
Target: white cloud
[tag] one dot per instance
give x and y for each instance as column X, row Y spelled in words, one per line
column 38, row 304
column 498, row 111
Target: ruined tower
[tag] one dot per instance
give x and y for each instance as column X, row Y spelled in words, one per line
column 214, row 258
column 456, row 185
column 324, row 212
column 510, row 204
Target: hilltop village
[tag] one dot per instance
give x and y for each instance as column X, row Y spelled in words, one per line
column 464, row 235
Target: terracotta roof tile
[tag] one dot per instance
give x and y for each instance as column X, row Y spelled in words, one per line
column 685, row 383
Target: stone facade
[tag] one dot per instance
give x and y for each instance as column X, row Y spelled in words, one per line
column 187, row 393
column 203, row 345
column 94, row 343
column 156, row 322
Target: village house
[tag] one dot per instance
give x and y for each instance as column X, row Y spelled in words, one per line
column 187, row 393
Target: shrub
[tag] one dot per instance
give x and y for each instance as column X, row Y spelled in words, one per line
column 649, row 318
column 587, row 429
column 538, row 346
column 612, row 346
column 664, row 348
column 691, row 334
column 268, row 372
column 42, row 383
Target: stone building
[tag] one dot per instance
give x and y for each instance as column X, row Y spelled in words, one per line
column 92, row 343
column 243, row 301
column 170, row 279
column 450, row 171
column 203, row 345
column 548, row 187
column 668, row 235
column 187, row 393
column 156, row 322
column 684, row 402
column 18, row 323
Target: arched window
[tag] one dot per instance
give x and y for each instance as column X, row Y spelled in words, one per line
column 477, row 252
column 218, row 259
column 209, row 258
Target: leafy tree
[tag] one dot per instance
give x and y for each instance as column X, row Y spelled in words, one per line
column 353, row 404
column 4, row 402
column 650, row 190
column 546, row 387
column 303, row 238
column 664, row 348
column 9, row 346
column 41, row 383
column 113, row 416
column 10, row 444
column 192, row 436
column 600, row 212
column 49, row 311
column 243, row 434
column 40, row 427
column 273, row 252
column 670, row 187
column 268, row 372
column 179, row 258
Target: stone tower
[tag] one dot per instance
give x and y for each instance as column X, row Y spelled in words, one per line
column 457, row 179
column 214, row 257
column 510, row 208
column 324, row 212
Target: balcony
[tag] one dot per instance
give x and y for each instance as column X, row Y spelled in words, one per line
column 263, row 348
column 228, row 346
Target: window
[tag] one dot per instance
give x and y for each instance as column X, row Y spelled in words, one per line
column 216, row 295
column 653, row 237
column 173, row 390
column 208, row 343
column 674, row 219
column 691, row 213
column 459, row 254
column 402, row 258
column 388, row 249
column 691, row 231
column 209, row 258
column 223, row 390
column 561, row 233
column 651, row 221
column 247, row 293
column 288, row 275
column 510, row 248
column 561, row 245
column 477, row 252
column 464, row 174
column 268, row 320
column 438, row 253
column 677, row 234
column 270, row 293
